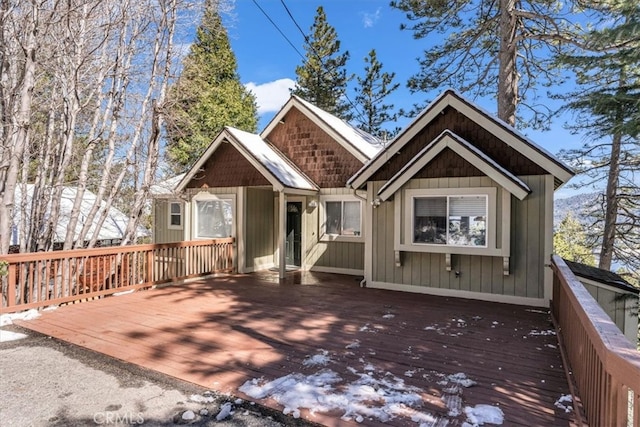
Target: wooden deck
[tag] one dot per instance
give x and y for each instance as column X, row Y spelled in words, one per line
column 221, row 332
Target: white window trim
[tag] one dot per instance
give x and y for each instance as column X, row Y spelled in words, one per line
column 403, row 230
column 170, row 214
column 202, row 196
column 324, row 236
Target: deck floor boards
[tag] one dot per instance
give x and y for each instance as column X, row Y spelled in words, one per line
column 221, row 332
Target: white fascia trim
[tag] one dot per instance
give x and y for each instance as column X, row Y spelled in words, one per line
column 203, row 158
column 337, row 136
column 465, row 150
column 277, row 118
column 294, row 101
column 501, row 130
column 299, row 191
column 406, row 135
column 231, row 139
column 512, row 138
column 505, row 299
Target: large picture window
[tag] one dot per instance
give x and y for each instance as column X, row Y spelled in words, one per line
column 459, row 220
column 214, row 218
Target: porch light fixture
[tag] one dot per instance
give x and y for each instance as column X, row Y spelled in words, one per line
column 313, row 203
column 376, row 202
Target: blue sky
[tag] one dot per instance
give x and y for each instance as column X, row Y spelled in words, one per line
column 267, row 62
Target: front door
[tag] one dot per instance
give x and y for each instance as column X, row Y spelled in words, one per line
column 294, row 234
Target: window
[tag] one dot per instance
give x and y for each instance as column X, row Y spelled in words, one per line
column 214, row 218
column 342, row 217
column 450, row 220
column 175, row 215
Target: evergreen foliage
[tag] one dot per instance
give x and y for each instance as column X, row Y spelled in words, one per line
column 371, row 91
column 322, row 78
column 208, row 95
column 490, row 48
column 570, row 242
column 606, row 107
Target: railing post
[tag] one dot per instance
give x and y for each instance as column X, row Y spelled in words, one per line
column 149, row 263
column 11, row 284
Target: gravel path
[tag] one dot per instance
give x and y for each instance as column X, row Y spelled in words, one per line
column 45, row 382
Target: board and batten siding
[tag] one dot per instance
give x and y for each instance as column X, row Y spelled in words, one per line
column 331, row 256
column 260, row 233
column 161, row 231
column 478, row 274
column 614, row 303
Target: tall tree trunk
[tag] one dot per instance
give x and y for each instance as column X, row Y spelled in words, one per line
column 16, row 136
column 611, row 203
column 508, row 72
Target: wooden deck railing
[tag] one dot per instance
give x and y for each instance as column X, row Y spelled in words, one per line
column 604, row 363
column 41, row 279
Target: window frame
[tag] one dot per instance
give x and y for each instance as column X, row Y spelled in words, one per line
column 448, row 220
column 170, row 214
column 207, row 197
column 496, row 240
column 324, row 236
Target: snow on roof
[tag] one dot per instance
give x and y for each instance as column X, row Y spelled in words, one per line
column 166, row 187
column 364, row 142
column 113, row 227
column 272, row 160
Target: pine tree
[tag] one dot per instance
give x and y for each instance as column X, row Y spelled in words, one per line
column 606, row 108
column 371, row 93
column 322, row 78
column 484, row 41
column 208, row 95
column 570, row 242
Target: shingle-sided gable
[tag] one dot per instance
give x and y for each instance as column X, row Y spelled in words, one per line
column 239, row 158
column 450, row 111
column 227, row 167
column 485, row 141
column 313, row 150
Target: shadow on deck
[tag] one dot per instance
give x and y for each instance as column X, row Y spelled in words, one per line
column 222, row 332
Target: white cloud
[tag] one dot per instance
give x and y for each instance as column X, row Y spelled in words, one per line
column 271, row 96
column 370, row 19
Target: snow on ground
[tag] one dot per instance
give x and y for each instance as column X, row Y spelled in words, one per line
column 8, row 319
column 371, row 394
column 6, row 336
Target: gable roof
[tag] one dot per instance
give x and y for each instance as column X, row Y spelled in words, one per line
column 359, row 143
column 449, row 140
column 167, row 187
column 272, row 164
column 601, row 276
column 112, row 228
column 497, row 127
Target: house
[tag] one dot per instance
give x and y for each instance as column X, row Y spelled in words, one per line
column 459, row 203
column 110, row 232
column 617, row 297
column 282, row 194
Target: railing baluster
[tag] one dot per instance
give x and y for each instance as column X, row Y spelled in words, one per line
column 44, row 278
column 606, row 366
